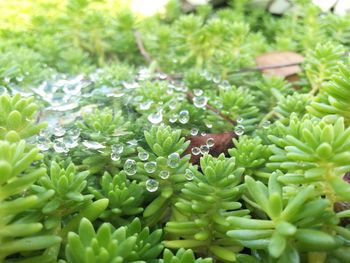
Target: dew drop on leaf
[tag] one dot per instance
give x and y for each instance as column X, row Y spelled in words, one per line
column 184, row 116
column 194, row 131
column 59, row 131
column 173, row 160
column 198, row 92
column 60, row 147
column 74, row 133
column 146, row 105
column 200, row 101
column 43, row 143
column 173, row 118
column 189, row 175
column 143, row 156
column 266, row 124
column 115, row 156
column 216, row 79
column 152, row 185
column 239, row 120
column 155, row 118
column 93, row 145
column 150, row 167
column 117, row 148
column 164, row 174
column 70, row 142
column 130, row 167
column 239, row 130
column 209, row 125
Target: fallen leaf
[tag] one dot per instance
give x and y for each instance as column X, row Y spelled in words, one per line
column 222, row 142
column 284, row 63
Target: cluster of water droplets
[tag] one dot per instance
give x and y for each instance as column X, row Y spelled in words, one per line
column 58, row 138
column 204, row 148
column 239, row 128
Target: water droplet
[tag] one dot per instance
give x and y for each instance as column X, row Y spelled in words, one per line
column 60, row 147
column 70, row 142
column 150, row 167
column 206, row 75
column 130, row 85
column 239, row 120
column 164, row 174
column 203, row 133
column 156, row 117
column 209, row 125
column 117, row 148
column 19, row 78
column 74, row 133
column 216, row 79
column 266, row 124
column 3, row 90
column 7, row 79
column 239, row 130
column 173, row 118
column 226, row 84
column 93, row 145
column 184, row 116
column 146, row 105
column 196, row 151
column 143, row 156
column 59, row 131
column 152, row 185
column 172, row 104
column 198, row 92
column 162, row 76
column 43, row 143
column 194, row 131
column 189, row 175
column 115, row 156
column 210, row 142
column 204, row 149
column 173, row 160
column 200, row 102
column 132, row 142
column 130, row 167
column 181, row 97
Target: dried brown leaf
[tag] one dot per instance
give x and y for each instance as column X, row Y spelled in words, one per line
column 285, row 63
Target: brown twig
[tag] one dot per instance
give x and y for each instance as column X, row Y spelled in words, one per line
column 189, row 95
column 243, row 70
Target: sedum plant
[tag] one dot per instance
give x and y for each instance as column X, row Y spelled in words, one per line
column 126, row 244
column 20, row 234
column 182, row 256
column 331, row 102
column 17, row 118
column 125, row 197
column 164, row 172
column 166, row 142
column 202, row 209
column 313, row 152
column 301, row 224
